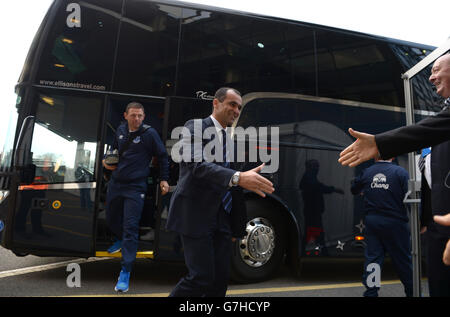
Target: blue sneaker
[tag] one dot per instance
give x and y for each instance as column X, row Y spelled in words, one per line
column 123, row 282
column 116, row 247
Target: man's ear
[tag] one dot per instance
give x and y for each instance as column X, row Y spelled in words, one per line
column 215, row 104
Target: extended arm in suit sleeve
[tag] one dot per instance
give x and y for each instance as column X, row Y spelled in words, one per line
column 427, row 132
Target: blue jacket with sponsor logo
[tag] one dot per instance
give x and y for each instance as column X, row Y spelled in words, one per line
column 134, row 164
column 383, row 186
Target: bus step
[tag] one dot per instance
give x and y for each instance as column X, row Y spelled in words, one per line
column 139, row 254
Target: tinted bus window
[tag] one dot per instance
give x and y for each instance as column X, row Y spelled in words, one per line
column 26, row 71
column 246, row 53
column 8, row 142
column 148, row 47
column 357, row 68
column 277, row 111
column 65, row 137
column 424, row 96
column 80, row 48
column 300, row 41
column 282, row 111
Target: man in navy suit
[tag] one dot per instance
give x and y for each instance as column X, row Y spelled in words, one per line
column 203, row 205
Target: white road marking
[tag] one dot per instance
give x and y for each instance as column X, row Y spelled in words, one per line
column 46, row 267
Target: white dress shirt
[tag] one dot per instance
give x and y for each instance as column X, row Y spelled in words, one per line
column 219, row 128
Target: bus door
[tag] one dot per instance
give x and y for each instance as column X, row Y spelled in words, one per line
column 177, row 111
column 57, row 153
column 154, row 114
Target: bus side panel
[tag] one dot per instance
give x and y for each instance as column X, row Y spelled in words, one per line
column 59, row 219
column 309, row 179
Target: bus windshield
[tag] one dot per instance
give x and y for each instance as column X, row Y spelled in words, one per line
column 7, row 146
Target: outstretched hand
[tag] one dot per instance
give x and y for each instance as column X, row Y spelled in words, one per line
column 445, row 221
column 363, row 149
column 442, row 220
column 254, row 182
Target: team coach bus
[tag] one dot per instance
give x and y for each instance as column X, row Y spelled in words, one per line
column 90, row 58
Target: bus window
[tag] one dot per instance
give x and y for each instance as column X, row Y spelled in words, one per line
column 7, row 145
column 357, row 68
column 148, row 46
column 80, row 48
column 65, row 137
column 246, row 53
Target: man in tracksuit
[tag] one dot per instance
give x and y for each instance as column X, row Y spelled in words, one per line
column 137, row 144
column 384, row 186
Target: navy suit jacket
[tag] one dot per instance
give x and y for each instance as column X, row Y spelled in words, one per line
column 201, row 186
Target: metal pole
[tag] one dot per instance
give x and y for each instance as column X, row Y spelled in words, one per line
column 414, row 187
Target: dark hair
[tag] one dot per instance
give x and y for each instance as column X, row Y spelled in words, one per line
column 221, row 93
column 135, row 105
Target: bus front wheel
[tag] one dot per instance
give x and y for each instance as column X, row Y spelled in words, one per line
column 260, row 253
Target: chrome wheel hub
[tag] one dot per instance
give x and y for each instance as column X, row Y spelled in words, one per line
column 259, row 244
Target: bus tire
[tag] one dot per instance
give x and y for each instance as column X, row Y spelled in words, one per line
column 259, row 254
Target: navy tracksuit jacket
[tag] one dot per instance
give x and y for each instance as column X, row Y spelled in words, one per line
column 384, row 186
column 128, row 185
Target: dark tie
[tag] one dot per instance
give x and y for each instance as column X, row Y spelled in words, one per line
column 226, row 200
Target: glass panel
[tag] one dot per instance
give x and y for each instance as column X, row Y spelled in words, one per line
column 80, row 48
column 279, row 111
column 358, row 68
column 8, row 145
column 291, row 114
column 246, row 53
column 65, row 138
column 26, row 70
column 148, row 49
column 300, row 41
column 423, row 93
column 184, row 109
